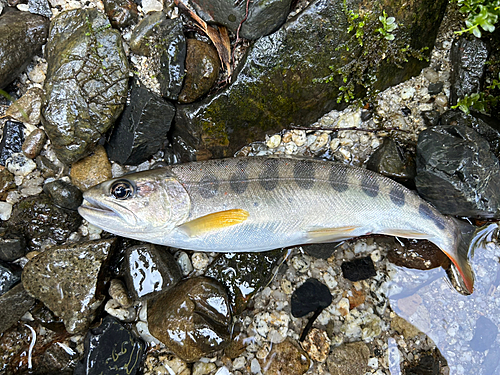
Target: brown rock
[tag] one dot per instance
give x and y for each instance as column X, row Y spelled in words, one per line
column 349, row 359
column 192, row 319
column 405, row 328
column 27, row 108
column 417, row 254
column 6, row 183
column 33, row 143
column 91, row 170
column 285, row 358
column 202, row 70
column 356, row 298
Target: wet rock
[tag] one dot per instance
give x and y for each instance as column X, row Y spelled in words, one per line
column 64, row 194
column 389, row 160
column 490, row 132
column 163, row 42
column 282, row 70
column 23, row 35
column 264, row 17
column 13, row 305
column 199, row 307
column 12, row 140
column 286, row 358
column 119, row 293
column 458, row 161
column 142, row 128
column 92, row 170
column 46, row 318
column 19, row 164
column 41, row 220
column 468, row 56
column 349, row 359
column 435, row 88
column 244, row 274
column 81, row 106
column 358, row 269
column 111, row 348
column 27, row 108
column 150, row 271
column 427, row 364
column 485, row 334
column 40, row 7
column 33, row 144
column 405, row 328
column 202, row 70
column 420, row 255
column 431, row 118
column 66, row 279
column 6, row 183
column 12, row 245
column 163, row 361
column 121, row 13
column 8, row 278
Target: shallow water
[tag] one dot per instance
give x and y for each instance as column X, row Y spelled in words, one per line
column 464, row 328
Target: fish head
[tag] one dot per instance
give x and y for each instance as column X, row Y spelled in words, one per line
column 142, row 205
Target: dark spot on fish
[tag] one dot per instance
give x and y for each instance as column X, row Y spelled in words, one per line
column 239, row 179
column 303, row 172
column 369, row 186
column 338, row 180
column 269, row 175
column 397, row 196
column 208, row 186
column 427, row 213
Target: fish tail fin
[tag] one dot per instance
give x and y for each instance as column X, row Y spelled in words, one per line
column 467, row 240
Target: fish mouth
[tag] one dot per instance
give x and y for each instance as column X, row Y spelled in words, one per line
column 90, row 204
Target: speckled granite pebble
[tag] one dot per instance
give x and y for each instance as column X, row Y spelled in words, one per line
column 65, row 278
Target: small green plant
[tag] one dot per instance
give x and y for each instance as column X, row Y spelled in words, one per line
column 481, row 14
column 480, row 101
column 356, row 23
column 388, row 26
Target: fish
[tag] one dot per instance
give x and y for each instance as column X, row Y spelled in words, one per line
column 248, row 204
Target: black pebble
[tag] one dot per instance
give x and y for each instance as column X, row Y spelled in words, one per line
column 310, row 296
column 435, row 88
column 12, row 245
column 111, row 349
column 64, row 194
column 358, row 269
column 12, row 140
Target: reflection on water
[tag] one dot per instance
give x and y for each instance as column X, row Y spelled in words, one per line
column 464, row 328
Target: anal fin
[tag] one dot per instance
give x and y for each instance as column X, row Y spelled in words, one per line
column 331, row 234
column 214, row 221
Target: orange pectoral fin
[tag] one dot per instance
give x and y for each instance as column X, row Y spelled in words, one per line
column 214, row 221
column 330, row 234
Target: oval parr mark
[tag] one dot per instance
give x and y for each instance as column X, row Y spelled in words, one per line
column 369, row 186
column 239, row 179
column 338, row 180
column 303, row 172
column 397, row 196
column 427, row 213
column 208, row 186
column 269, row 175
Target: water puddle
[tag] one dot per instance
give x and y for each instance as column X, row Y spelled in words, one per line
column 464, row 328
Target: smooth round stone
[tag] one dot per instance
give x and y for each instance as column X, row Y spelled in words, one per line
column 92, row 170
column 5, row 210
column 20, row 165
column 33, row 143
column 192, row 319
column 64, row 194
column 12, row 245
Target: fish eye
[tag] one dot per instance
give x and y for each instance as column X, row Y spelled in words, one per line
column 122, row 190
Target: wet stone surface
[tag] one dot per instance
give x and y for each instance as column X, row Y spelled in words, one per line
column 13, row 305
column 286, row 358
column 121, row 13
column 421, row 255
column 81, row 106
column 390, row 160
column 12, row 245
column 162, row 41
column 455, row 159
column 8, row 278
column 40, row 220
column 150, row 271
column 199, row 307
column 142, row 129
column 34, row 143
column 349, row 359
column 27, row 108
column 23, row 35
column 91, row 170
column 64, row 194
column 12, row 140
column 244, row 274
column 111, row 348
column 66, row 279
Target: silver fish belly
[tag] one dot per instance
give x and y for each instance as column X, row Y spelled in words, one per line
column 263, row 203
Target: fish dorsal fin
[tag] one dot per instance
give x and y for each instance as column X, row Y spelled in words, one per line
column 331, row 234
column 214, row 221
